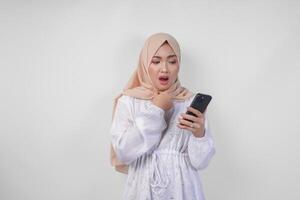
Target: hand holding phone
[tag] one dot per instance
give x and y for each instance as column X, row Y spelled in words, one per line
column 200, row 102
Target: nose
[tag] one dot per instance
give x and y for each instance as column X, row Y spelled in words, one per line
column 164, row 67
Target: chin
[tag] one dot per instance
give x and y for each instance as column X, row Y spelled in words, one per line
column 163, row 88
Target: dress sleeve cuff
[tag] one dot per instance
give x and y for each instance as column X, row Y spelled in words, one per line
column 203, row 138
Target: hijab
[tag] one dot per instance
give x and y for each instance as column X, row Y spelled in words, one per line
column 141, row 86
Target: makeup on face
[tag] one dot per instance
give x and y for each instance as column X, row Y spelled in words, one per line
column 164, row 67
column 166, row 72
column 163, row 79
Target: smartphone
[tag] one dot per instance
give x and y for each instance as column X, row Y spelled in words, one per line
column 200, row 102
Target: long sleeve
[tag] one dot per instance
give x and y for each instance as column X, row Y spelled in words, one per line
column 133, row 135
column 201, row 150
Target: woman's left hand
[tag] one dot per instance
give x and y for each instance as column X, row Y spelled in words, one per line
column 197, row 124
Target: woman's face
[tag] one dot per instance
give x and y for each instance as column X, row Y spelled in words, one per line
column 164, row 67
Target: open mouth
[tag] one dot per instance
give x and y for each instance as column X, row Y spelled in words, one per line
column 163, row 80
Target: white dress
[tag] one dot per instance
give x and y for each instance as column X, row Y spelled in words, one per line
column 164, row 160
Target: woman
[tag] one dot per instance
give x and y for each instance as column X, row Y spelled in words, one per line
column 152, row 140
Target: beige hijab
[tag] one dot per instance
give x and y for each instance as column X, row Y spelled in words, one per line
column 140, row 84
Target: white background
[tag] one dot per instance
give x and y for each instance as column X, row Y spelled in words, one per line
column 62, row 62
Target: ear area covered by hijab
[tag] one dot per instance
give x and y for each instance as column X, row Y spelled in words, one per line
column 140, row 84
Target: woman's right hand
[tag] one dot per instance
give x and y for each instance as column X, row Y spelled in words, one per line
column 163, row 100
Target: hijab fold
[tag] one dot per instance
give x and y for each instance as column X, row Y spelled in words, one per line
column 141, row 86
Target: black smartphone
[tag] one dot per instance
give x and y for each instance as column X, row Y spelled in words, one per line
column 200, row 102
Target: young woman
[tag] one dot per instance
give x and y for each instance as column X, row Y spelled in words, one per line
column 151, row 139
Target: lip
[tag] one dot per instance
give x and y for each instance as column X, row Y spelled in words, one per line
column 163, row 82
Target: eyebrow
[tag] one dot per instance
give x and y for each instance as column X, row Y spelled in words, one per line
column 167, row 57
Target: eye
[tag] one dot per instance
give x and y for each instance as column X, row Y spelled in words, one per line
column 173, row 62
column 155, row 62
